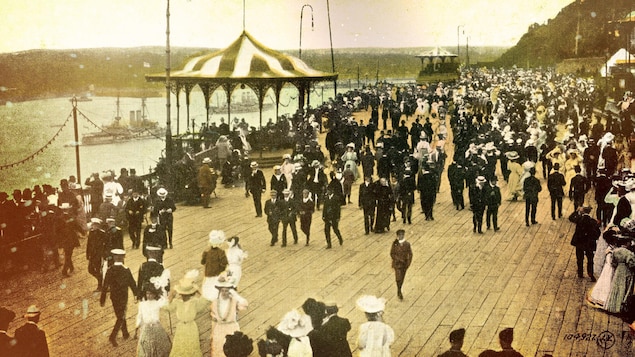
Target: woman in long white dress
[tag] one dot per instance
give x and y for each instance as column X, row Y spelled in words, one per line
column 600, row 291
column 235, row 256
column 375, row 337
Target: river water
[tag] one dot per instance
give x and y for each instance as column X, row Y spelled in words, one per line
column 29, row 126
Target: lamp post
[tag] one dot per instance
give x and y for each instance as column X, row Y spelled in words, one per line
column 168, row 123
column 458, row 41
column 328, row 11
column 467, row 51
column 301, row 13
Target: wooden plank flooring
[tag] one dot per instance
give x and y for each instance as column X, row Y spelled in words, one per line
column 521, row 277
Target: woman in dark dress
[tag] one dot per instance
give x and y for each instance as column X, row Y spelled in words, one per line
column 385, row 204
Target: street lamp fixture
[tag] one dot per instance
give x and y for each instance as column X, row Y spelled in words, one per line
column 301, row 13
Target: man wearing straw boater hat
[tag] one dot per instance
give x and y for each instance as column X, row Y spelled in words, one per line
column 478, row 203
column 274, row 215
column 117, row 281
column 163, row 208
column 30, row 340
column 204, row 179
column 256, row 184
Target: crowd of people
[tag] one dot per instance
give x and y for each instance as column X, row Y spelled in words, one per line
column 505, row 125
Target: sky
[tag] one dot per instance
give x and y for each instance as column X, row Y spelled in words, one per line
column 71, row 24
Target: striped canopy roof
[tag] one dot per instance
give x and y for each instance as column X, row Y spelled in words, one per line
column 245, row 59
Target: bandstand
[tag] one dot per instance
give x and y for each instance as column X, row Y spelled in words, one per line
column 244, row 63
column 437, row 65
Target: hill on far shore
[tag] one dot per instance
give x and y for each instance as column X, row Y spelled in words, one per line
column 36, row 74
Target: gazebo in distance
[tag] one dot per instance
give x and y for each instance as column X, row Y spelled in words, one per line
column 244, row 63
column 437, row 65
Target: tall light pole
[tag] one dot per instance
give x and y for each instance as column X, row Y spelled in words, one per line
column 467, row 51
column 168, row 123
column 328, row 11
column 458, row 42
column 301, row 13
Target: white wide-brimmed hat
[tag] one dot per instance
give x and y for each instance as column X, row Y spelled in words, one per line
column 216, row 238
column 207, row 160
column 162, row 192
column 186, row 285
column 295, row 324
column 512, row 155
column 371, row 304
column 225, row 281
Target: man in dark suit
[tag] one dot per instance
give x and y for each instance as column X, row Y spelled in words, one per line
column 401, row 254
column 531, row 188
column 278, row 181
column 578, row 188
column 115, row 233
column 289, row 213
column 329, row 339
column 6, row 341
column 587, row 231
column 555, row 184
column 603, row 184
column 31, row 341
column 609, row 154
column 117, row 281
column 164, row 207
column 136, row 208
column 153, row 236
column 367, row 201
column 316, row 182
column 306, row 207
column 148, row 270
column 136, row 184
column 256, row 185
column 274, row 215
column 331, row 216
column 96, row 192
column 97, row 250
column 478, row 203
column 335, row 185
column 492, row 201
column 427, row 186
column 456, row 176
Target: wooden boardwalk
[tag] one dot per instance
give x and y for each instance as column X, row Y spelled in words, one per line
column 520, row 277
